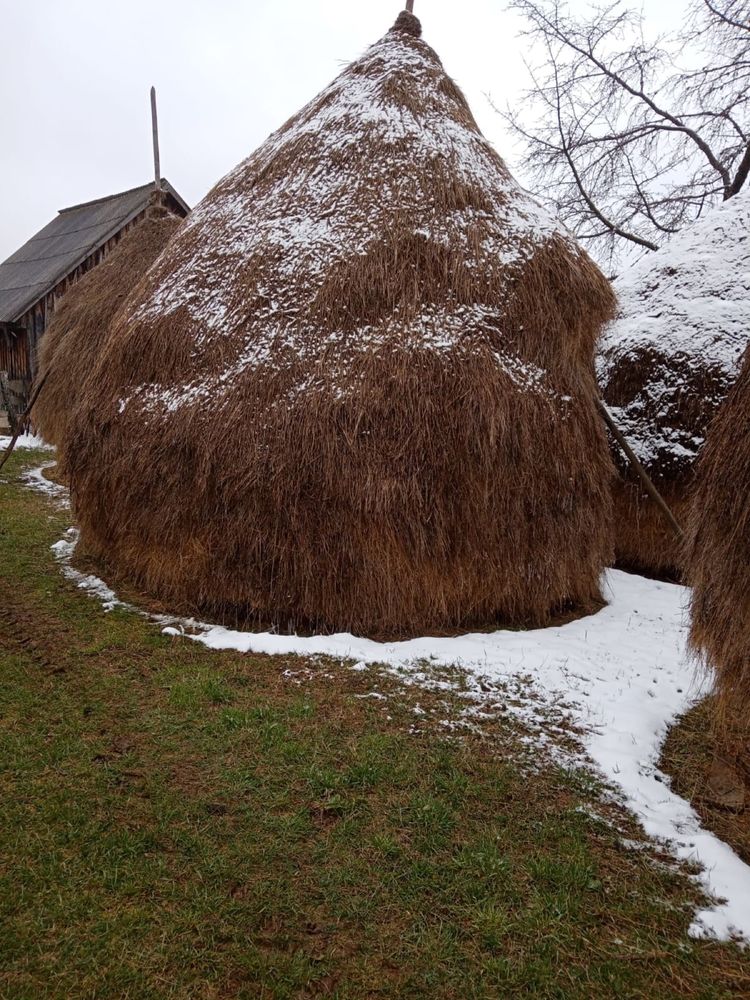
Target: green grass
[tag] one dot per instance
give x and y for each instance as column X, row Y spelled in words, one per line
column 181, row 823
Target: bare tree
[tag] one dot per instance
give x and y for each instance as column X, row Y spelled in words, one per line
column 634, row 137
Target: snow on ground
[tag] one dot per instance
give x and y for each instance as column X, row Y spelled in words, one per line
column 621, row 675
column 25, row 441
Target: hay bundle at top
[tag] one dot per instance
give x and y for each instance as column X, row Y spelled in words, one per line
column 72, row 342
column 717, row 553
column 666, row 363
column 356, row 392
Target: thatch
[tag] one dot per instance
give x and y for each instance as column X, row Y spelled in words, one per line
column 665, row 365
column 717, row 554
column 72, row 341
column 356, row 391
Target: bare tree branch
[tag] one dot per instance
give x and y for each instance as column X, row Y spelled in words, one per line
column 634, row 137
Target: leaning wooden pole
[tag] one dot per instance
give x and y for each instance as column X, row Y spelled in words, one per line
column 155, row 140
column 644, row 476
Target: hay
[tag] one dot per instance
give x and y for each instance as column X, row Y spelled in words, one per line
column 356, row 392
column 72, row 342
column 665, row 365
column 645, row 542
column 717, row 554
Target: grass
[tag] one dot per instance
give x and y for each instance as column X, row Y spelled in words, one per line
column 181, row 823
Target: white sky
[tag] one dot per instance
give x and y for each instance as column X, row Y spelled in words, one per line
column 75, row 78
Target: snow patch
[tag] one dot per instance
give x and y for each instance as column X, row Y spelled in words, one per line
column 26, row 441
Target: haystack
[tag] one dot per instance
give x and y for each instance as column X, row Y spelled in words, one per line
column 72, row 342
column 665, row 365
column 718, row 552
column 356, row 391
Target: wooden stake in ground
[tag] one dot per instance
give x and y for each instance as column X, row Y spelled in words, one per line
column 155, row 139
column 644, row 476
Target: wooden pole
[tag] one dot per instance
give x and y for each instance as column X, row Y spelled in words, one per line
column 644, row 476
column 155, row 137
column 410, row 6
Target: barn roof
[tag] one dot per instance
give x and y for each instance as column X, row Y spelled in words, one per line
column 76, row 232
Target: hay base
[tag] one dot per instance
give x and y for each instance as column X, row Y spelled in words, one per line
column 248, row 620
column 644, row 541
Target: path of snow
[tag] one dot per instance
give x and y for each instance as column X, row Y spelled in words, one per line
column 622, row 675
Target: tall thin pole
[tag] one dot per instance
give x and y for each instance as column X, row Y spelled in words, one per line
column 155, row 136
column 410, row 6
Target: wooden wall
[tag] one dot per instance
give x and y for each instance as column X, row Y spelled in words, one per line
column 14, row 352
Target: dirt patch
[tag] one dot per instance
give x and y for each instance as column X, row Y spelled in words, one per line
column 22, row 631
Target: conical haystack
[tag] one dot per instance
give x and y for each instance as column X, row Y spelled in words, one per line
column 665, row 365
column 718, row 552
column 72, row 342
column 356, row 392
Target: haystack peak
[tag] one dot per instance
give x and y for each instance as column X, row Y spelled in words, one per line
column 407, row 22
column 384, row 174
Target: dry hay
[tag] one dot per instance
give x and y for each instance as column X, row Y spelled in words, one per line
column 356, row 392
column 717, row 555
column 72, row 342
column 645, row 541
column 665, row 365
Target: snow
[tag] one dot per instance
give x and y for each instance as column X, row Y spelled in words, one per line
column 64, row 550
column 688, row 304
column 25, row 441
column 620, row 676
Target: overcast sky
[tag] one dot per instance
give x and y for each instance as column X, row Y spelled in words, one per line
column 75, row 78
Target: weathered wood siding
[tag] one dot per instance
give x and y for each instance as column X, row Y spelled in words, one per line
column 14, row 352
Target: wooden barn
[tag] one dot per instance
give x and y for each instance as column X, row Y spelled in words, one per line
column 33, row 279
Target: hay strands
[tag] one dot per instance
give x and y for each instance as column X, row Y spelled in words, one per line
column 644, row 476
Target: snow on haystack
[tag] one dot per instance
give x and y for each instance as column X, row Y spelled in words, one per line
column 321, row 216
column 666, row 363
column 683, row 320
